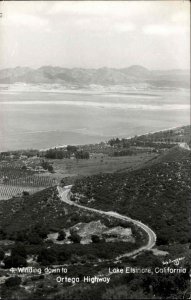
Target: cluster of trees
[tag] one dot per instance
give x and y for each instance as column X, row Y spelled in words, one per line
column 114, row 142
column 48, row 254
column 75, row 238
column 47, row 166
column 16, row 154
column 33, row 235
column 17, row 258
column 142, row 141
column 57, row 154
column 59, row 254
column 82, row 154
column 70, row 150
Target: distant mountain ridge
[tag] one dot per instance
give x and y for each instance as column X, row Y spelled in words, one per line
column 102, row 76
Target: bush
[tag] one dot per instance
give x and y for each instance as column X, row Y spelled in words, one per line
column 19, row 249
column 2, row 254
column 15, row 261
column 95, row 238
column 41, row 230
column 13, row 282
column 74, row 237
column 34, row 239
column 61, row 235
column 25, row 193
column 50, row 169
column 47, row 256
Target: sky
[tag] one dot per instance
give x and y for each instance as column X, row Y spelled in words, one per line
column 94, row 34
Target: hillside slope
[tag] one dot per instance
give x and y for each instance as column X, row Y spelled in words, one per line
column 174, row 154
column 159, row 195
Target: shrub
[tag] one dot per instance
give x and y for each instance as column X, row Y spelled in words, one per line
column 74, row 237
column 2, row 254
column 13, row 282
column 61, row 235
column 15, row 261
column 25, row 193
column 47, row 256
column 19, row 249
column 95, row 238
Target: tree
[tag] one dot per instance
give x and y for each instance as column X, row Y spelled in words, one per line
column 61, row 235
column 41, row 229
column 50, row 169
column 2, row 254
column 95, row 238
column 19, row 249
column 82, row 154
column 25, row 193
column 74, row 237
column 34, row 238
column 47, row 256
column 24, row 168
column 71, row 149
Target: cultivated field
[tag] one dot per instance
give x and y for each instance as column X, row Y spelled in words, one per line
column 15, row 180
column 8, row 191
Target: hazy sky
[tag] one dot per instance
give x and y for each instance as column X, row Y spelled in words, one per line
column 93, row 34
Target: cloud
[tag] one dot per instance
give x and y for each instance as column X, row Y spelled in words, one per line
column 87, row 8
column 161, row 29
column 17, row 19
column 95, row 33
column 124, row 27
column 181, row 17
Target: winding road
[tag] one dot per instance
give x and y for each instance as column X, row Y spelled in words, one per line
column 64, row 194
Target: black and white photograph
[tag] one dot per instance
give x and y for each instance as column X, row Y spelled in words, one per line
column 95, row 150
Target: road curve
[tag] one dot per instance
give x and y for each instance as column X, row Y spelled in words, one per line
column 64, row 194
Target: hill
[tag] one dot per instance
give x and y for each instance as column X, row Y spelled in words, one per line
column 101, row 76
column 157, row 194
column 174, row 154
column 45, row 208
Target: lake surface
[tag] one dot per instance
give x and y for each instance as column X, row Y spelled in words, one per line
column 46, row 119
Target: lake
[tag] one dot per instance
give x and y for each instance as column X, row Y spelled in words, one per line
column 46, row 119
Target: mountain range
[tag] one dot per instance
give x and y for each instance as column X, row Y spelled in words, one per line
column 102, row 76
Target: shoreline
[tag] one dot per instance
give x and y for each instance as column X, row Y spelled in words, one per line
column 127, row 138
column 152, row 132
column 104, row 142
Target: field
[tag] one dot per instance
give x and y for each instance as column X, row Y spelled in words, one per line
column 14, row 180
column 8, row 191
column 99, row 163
